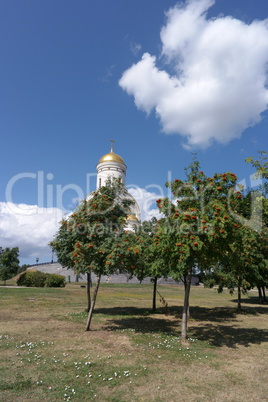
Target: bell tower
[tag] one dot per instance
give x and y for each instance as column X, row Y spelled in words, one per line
column 110, row 165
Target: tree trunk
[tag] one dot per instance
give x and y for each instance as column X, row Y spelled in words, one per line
column 184, row 281
column 154, row 294
column 239, row 295
column 260, row 294
column 263, row 294
column 88, row 291
column 93, row 303
column 185, row 313
column 185, row 286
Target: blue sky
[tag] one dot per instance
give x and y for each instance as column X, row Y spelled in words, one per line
column 62, row 98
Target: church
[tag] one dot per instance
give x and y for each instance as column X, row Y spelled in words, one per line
column 109, row 165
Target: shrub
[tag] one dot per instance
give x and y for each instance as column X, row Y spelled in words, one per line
column 22, row 280
column 32, row 279
column 55, row 281
column 39, row 279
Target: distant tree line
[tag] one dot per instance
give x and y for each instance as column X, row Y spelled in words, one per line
column 9, row 263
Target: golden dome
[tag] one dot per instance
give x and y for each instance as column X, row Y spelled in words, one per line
column 132, row 218
column 111, row 157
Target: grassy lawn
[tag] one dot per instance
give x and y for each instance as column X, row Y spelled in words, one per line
column 131, row 354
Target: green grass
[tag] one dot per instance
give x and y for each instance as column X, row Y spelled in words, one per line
column 130, row 354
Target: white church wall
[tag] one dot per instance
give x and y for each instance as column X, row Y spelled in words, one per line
column 110, row 169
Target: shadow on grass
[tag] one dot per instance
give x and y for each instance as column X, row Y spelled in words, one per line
column 220, row 314
column 124, row 311
column 263, row 307
column 140, row 319
column 230, row 336
column 213, row 314
column 144, row 325
column 219, row 326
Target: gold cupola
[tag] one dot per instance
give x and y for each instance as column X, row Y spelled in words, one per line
column 132, row 218
column 111, row 156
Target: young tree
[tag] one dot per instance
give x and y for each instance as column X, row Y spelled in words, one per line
column 242, row 263
column 151, row 262
column 92, row 238
column 194, row 234
column 9, row 263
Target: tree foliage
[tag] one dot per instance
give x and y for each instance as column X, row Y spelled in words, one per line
column 203, row 229
column 261, row 166
column 151, row 261
column 9, row 263
column 93, row 238
column 245, row 263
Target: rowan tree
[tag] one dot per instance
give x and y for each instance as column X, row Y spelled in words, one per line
column 194, row 233
column 253, row 213
column 151, row 262
column 242, row 263
column 92, row 239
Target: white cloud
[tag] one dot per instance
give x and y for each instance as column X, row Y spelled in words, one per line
column 28, row 227
column 218, row 85
column 31, row 228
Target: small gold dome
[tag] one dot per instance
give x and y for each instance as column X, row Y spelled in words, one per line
column 111, row 157
column 132, row 218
